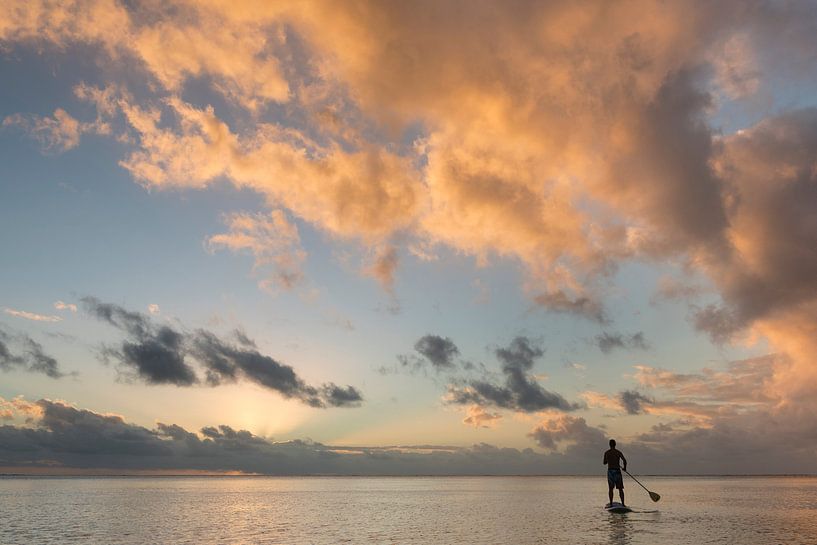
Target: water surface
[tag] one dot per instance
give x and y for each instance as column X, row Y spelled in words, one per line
column 449, row 510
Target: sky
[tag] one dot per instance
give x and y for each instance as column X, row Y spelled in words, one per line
column 460, row 237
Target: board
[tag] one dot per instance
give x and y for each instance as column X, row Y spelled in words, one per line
column 616, row 507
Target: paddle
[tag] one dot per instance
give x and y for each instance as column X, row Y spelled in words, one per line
column 653, row 495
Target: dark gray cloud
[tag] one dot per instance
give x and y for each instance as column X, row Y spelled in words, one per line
column 160, row 354
column 243, row 339
column 64, row 437
column 68, row 438
column 440, row 351
column 134, row 323
column 154, row 353
column 632, row 401
column 520, row 392
column 86, row 432
column 720, row 323
column 159, row 358
column 607, row 342
column 436, row 352
column 19, row 351
column 338, row 396
column 224, row 361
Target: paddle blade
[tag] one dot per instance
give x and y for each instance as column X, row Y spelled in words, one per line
column 654, row 496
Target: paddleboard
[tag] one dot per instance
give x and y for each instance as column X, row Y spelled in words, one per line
column 616, row 507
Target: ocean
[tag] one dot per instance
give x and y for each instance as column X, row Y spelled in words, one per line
column 446, row 510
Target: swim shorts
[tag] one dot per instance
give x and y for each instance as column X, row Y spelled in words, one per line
column 614, row 479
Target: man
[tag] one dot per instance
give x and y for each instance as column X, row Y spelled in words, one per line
column 614, row 479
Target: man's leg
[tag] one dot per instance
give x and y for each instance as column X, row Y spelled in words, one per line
column 620, row 495
column 611, row 493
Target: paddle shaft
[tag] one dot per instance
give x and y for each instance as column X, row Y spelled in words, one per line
column 636, row 480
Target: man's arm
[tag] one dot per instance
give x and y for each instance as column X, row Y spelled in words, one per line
column 623, row 459
column 605, row 459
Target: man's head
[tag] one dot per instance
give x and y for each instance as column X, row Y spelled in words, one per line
column 612, row 443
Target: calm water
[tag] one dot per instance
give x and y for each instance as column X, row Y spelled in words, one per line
column 513, row 510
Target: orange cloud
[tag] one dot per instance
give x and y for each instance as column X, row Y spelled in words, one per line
column 19, row 408
column 32, row 315
column 566, row 137
column 272, row 240
column 367, row 193
column 59, row 133
column 478, row 417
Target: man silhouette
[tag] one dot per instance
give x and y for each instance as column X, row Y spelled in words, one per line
column 614, row 478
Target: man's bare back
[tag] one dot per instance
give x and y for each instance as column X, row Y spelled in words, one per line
column 613, row 457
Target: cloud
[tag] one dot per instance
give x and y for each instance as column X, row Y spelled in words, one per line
column 740, row 387
column 60, row 305
column 71, row 439
column 155, row 353
column 58, row 437
column 574, row 139
column 571, row 429
column 720, row 323
column 159, row 354
column 383, row 266
column 478, row 417
column 440, row 351
column 272, row 240
column 737, row 68
column 19, row 351
column 224, row 361
column 706, row 398
column 767, row 284
column 20, row 409
column 366, row 194
column 154, row 309
column 583, row 106
column 632, row 401
column 436, row 352
column 672, row 289
column 59, row 133
column 746, row 381
column 602, row 400
column 560, row 301
column 338, row 396
column 607, row 342
column 32, row 316
column 520, row 392
column 170, row 45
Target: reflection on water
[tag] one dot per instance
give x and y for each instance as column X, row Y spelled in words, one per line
column 456, row 510
column 620, row 529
